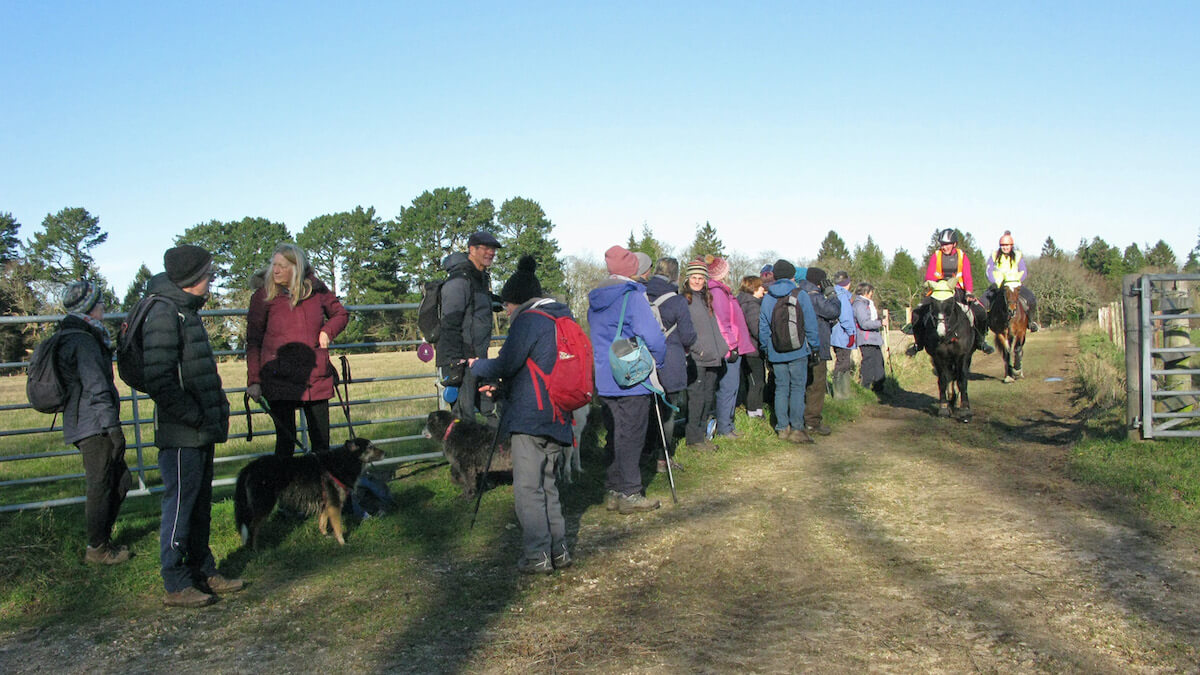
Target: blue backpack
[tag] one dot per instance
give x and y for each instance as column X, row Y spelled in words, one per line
column 629, row 358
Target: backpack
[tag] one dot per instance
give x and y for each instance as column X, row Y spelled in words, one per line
column 43, row 386
column 570, row 380
column 429, row 312
column 131, row 363
column 787, row 324
column 629, row 358
column 656, row 307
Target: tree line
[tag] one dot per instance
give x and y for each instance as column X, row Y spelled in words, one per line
column 368, row 260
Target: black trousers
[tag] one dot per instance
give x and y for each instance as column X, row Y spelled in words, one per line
column 107, row 478
column 316, row 414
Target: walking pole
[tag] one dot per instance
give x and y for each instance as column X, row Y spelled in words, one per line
column 662, row 433
column 887, row 347
column 486, row 470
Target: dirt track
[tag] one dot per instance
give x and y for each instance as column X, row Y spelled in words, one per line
column 902, row 543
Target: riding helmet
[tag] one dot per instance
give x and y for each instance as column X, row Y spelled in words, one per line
column 947, row 236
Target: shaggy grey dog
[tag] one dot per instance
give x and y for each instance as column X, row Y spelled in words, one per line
column 466, row 446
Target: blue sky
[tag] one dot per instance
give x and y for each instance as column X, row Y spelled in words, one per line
column 776, row 122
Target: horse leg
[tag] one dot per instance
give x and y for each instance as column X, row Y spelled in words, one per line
column 964, row 405
column 943, row 385
column 1018, row 352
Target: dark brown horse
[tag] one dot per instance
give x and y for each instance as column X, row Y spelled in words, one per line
column 1008, row 320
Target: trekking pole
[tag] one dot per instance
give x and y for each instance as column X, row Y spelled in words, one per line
column 266, row 407
column 486, row 470
column 662, row 433
column 887, row 346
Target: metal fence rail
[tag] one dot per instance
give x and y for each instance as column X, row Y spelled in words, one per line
column 1161, row 369
column 140, row 417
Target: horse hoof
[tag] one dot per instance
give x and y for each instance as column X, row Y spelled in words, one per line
column 1019, row 374
column 944, row 411
column 1008, row 379
column 965, row 415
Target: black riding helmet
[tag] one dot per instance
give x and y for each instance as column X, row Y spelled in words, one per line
column 947, row 236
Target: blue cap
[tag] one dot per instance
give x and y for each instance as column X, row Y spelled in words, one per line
column 766, row 268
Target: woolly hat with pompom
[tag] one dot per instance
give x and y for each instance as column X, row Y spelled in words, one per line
column 718, row 267
column 523, row 284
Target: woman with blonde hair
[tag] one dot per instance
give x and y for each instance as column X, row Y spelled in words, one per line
column 292, row 319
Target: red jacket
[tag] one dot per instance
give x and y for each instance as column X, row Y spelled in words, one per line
column 282, row 350
column 935, row 271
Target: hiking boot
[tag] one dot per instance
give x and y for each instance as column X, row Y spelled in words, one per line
column 220, row 584
column 912, row 350
column 636, row 503
column 784, row 434
column 611, row 500
column 662, row 466
column 189, row 597
column 705, row 446
column 1034, row 327
column 800, row 436
column 107, row 554
column 822, row 429
column 541, row 564
column 562, row 560
column 731, row 435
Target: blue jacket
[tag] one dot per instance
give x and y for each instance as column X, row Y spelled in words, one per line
column 530, row 336
column 827, row 311
column 842, row 330
column 604, row 309
column 674, row 312
column 774, row 292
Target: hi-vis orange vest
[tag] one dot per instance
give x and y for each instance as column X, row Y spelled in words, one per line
column 937, row 267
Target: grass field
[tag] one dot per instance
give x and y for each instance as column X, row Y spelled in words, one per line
column 407, row 398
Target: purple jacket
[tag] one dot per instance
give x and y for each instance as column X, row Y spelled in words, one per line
column 604, row 309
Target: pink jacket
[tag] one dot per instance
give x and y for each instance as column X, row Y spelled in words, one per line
column 282, row 352
column 730, row 318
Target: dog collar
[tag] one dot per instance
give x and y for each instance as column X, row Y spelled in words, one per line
column 449, row 429
column 337, row 482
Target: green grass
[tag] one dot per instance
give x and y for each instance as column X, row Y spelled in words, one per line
column 1161, row 476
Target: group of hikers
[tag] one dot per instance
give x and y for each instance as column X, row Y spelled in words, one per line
column 711, row 349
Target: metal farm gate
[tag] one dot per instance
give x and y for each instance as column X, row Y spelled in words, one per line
column 1162, row 371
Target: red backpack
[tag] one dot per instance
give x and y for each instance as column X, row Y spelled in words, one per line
column 570, row 381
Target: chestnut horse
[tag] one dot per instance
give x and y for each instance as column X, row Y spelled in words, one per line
column 948, row 334
column 1008, row 320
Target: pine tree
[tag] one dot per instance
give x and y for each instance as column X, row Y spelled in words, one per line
column 706, row 242
column 1161, row 257
column 1050, row 250
column 833, row 248
column 869, row 264
column 137, row 288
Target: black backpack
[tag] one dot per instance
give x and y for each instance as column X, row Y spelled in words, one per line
column 787, row 324
column 429, row 313
column 131, row 365
column 43, row 386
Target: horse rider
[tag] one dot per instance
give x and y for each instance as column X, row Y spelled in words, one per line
column 1007, row 266
column 950, row 262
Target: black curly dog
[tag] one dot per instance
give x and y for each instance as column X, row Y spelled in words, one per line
column 466, row 445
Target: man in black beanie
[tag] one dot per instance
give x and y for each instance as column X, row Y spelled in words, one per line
column 827, row 307
column 537, row 434
column 192, row 416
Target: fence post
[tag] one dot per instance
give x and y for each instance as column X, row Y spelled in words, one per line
column 1133, row 347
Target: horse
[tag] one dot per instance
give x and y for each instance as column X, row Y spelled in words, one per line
column 948, row 334
column 1008, row 320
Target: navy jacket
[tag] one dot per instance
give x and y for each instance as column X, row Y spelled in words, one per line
column 674, row 312
column 85, row 366
column 530, row 336
column 827, row 310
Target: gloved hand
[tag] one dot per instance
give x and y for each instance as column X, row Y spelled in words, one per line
column 828, row 291
column 497, row 305
column 731, row 355
column 452, row 374
column 117, row 437
column 254, row 391
column 814, row 358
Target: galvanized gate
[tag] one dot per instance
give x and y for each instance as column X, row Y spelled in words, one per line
column 1161, row 367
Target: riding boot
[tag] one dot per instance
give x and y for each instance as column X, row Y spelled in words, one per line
column 981, row 333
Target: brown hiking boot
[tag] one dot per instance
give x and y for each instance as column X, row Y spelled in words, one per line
column 189, row 597
column 220, row 584
column 611, row 500
column 800, row 436
column 636, row 503
column 107, row 554
column 784, row 434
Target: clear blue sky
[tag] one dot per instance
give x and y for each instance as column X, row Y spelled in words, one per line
column 776, row 122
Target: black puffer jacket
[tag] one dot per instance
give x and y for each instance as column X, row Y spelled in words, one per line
column 85, row 365
column 181, row 374
column 466, row 311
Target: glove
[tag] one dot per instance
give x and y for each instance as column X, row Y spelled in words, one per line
column 117, row 437
column 497, row 305
column 814, row 358
column 452, row 374
column 254, row 391
column 732, row 355
column 829, row 291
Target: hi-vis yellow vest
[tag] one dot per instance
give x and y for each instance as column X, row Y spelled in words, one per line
column 1007, row 271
